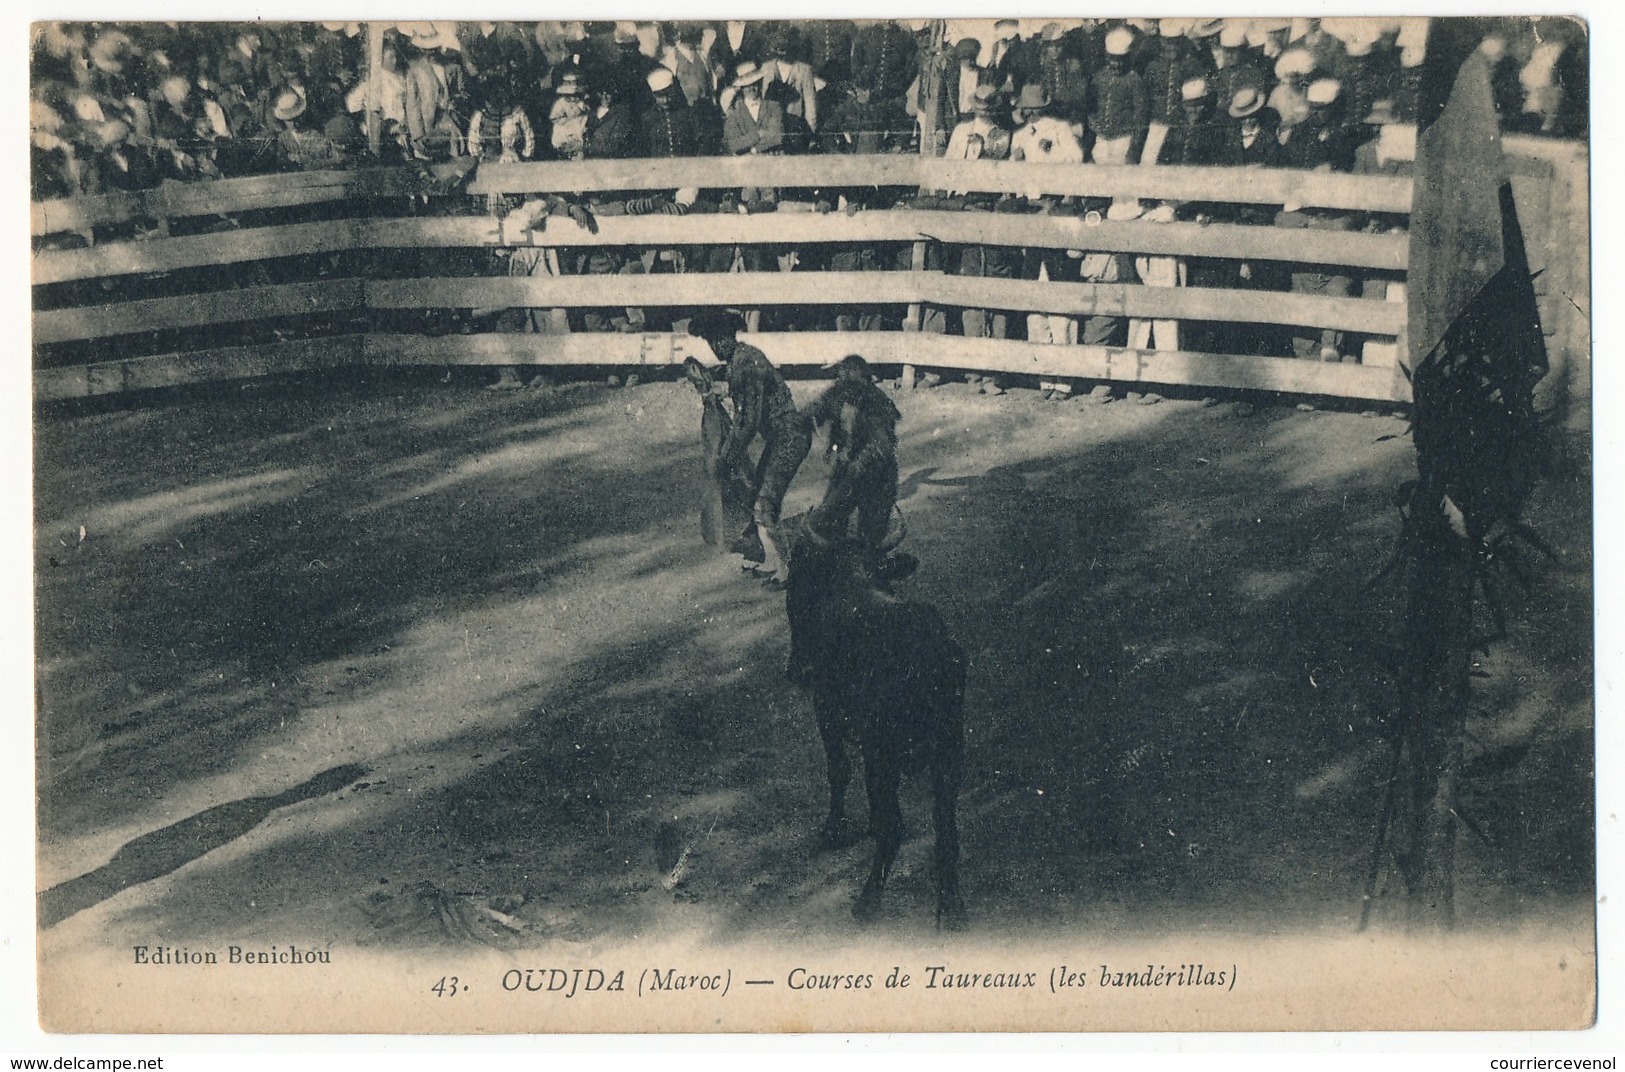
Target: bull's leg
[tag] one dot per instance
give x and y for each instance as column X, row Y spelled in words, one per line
column 837, row 831
column 881, row 776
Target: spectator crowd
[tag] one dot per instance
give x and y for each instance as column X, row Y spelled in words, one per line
column 126, row 106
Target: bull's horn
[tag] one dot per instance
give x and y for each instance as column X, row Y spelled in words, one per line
column 810, row 533
column 894, row 535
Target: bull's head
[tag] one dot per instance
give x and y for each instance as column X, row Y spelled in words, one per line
column 818, row 558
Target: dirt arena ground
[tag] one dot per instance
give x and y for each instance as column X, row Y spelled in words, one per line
column 401, row 662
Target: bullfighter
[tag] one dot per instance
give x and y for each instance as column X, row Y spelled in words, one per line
column 763, row 406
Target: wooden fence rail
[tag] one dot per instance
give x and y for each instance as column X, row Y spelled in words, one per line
column 377, row 223
column 1248, row 186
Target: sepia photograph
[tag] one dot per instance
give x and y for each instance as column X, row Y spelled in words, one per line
column 827, row 525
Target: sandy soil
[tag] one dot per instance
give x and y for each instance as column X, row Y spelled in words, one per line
column 398, row 662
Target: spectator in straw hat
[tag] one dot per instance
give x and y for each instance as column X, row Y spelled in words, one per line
column 1235, row 67
column 754, row 124
column 1119, row 110
column 299, row 147
column 1250, row 138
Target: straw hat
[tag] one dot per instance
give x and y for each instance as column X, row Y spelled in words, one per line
column 1207, row 27
column 1119, row 41
column 289, row 104
column 748, row 73
column 1033, row 97
column 1193, row 89
column 1247, row 101
column 1234, row 35
column 660, row 79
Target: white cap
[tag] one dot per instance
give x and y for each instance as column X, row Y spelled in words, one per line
column 1294, row 61
column 1234, row 35
column 1119, row 41
column 660, row 79
column 1324, row 90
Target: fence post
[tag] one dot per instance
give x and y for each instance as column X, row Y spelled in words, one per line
column 916, row 310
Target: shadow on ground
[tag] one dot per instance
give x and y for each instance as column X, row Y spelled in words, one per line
column 498, row 605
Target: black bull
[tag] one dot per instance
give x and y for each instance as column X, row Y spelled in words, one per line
column 885, row 673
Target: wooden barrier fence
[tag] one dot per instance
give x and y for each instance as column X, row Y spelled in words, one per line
column 369, row 222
